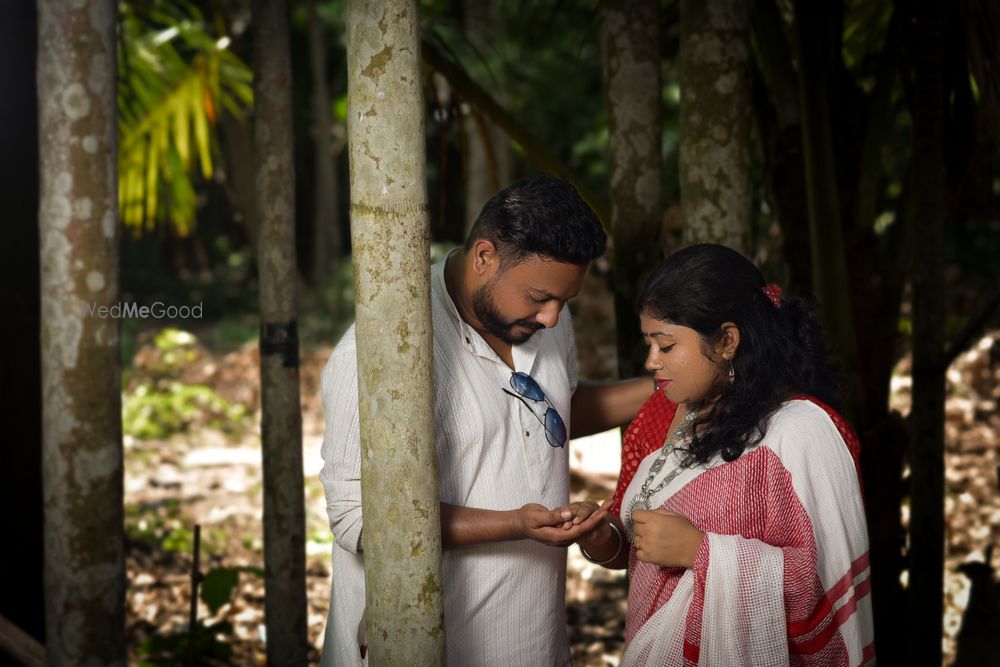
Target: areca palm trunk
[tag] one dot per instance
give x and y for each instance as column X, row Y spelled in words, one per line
column 829, row 264
column 487, row 152
column 281, row 418
column 326, row 196
column 715, row 122
column 630, row 40
column 927, row 483
column 390, row 237
column 81, row 388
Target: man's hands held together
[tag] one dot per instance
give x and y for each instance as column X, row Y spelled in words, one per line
column 662, row 537
column 561, row 526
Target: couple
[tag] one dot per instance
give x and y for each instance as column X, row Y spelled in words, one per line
column 760, row 555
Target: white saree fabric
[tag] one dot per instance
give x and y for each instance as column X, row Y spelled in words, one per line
column 661, row 639
column 751, row 623
column 740, row 582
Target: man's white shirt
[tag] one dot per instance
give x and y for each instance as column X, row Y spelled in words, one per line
column 504, row 602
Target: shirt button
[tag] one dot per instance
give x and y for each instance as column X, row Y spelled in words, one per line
column 526, row 434
column 467, row 341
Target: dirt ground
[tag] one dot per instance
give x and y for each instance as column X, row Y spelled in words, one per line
column 213, row 479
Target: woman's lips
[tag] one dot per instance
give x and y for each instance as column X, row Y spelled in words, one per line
column 660, row 383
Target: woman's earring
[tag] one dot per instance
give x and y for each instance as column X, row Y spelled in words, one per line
column 732, row 374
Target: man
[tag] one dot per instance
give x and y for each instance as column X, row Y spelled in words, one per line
column 505, row 375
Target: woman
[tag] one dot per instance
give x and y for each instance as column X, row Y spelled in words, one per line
column 738, row 511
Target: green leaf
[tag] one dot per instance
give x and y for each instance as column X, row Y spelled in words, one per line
column 217, row 587
column 340, row 108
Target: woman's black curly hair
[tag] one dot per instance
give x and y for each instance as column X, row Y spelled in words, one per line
column 781, row 352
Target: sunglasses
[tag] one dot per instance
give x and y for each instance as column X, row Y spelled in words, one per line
column 526, row 387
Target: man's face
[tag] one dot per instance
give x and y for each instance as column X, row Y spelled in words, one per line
column 527, row 297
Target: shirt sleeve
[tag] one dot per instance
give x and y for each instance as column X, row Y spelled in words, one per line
column 341, row 450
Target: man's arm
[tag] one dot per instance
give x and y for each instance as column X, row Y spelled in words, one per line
column 341, row 450
column 341, row 477
column 599, row 406
column 466, row 526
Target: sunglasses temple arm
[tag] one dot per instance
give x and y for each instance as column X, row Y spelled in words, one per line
column 528, row 405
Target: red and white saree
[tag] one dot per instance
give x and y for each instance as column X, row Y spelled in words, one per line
column 782, row 575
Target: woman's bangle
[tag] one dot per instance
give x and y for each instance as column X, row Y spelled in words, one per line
column 621, row 543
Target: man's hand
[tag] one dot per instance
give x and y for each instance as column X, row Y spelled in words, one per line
column 665, row 538
column 535, row 522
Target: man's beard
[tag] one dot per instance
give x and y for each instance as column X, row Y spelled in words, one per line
column 485, row 310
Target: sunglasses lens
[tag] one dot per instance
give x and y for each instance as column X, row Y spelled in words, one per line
column 555, row 429
column 526, row 386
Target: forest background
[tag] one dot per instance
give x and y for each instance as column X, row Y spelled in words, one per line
column 864, row 135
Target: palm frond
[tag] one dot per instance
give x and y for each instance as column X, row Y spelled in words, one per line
column 174, row 77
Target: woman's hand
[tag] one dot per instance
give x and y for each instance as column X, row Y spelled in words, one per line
column 604, row 545
column 578, row 512
column 665, row 538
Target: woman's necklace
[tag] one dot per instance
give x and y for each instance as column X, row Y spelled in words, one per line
column 641, row 500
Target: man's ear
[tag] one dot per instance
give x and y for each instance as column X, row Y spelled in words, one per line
column 485, row 260
column 730, row 341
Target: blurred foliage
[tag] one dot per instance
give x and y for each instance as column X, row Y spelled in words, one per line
column 541, row 61
column 154, row 412
column 211, row 646
column 160, row 404
column 160, row 525
column 217, row 587
column 176, row 75
column 212, row 266
column 219, row 584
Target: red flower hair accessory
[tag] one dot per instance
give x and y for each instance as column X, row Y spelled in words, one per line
column 773, row 292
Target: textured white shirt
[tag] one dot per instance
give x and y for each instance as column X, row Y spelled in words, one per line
column 504, row 603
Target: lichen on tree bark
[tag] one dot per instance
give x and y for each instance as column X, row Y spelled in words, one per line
column 81, row 413
column 390, row 240
column 631, row 52
column 715, row 122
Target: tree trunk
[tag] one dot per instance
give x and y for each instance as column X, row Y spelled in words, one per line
column 326, row 222
column 716, row 107
column 281, row 418
column 533, row 147
column 776, row 103
column 22, row 598
column 389, row 232
column 488, row 153
column 630, row 45
column 81, row 387
column 875, row 271
column 240, row 188
column 926, row 549
column 480, row 169
column 830, row 280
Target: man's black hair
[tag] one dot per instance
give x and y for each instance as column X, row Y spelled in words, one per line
column 540, row 216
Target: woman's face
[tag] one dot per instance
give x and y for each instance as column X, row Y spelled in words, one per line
column 677, row 358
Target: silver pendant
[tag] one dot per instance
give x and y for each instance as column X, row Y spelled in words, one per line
column 640, row 502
